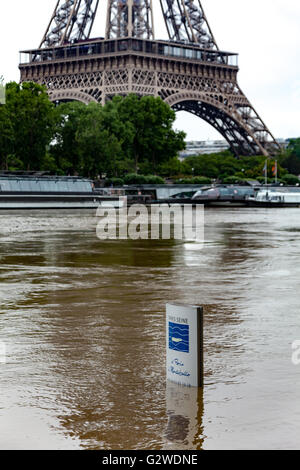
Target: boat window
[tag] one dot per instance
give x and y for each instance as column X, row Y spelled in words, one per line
column 44, row 185
column 38, row 186
column 83, row 186
column 61, row 186
column 26, row 186
column 3, row 185
column 35, row 186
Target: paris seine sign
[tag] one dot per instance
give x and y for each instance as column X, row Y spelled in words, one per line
column 184, row 343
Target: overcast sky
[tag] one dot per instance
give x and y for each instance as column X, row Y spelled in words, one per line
column 265, row 33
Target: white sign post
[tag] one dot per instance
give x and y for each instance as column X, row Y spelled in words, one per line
column 184, row 341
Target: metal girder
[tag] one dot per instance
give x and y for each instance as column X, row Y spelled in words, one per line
column 72, row 20
column 186, row 21
column 129, row 18
column 241, row 141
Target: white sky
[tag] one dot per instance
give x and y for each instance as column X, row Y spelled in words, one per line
column 265, row 33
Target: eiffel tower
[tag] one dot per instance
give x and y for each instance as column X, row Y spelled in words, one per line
column 188, row 71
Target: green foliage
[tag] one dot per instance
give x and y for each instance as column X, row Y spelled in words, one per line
column 230, row 180
column 201, row 180
column 135, row 178
column 72, row 138
column 225, row 167
column 290, row 179
column 97, row 146
column 32, row 120
column 291, row 163
column 290, row 158
column 26, row 126
column 152, row 179
column 114, row 182
column 126, row 134
column 150, row 120
column 262, row 180
column 64, row 150
column 6, row 139
column 172, row 167
column 294, row 147
column 195, row 180
column 212, row 165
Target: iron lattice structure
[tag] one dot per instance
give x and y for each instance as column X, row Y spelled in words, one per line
column 131, row 18
column 188, row 71
column 185, row 20
column 72, row 20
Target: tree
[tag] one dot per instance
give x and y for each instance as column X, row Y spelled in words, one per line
column 31, row 116
column 6, row 131
column 294, row 147
column 290, row 159
column 226, row 167
column 292, row 163
column 116, row 138
column 6, row 138
column 64, row 148
column 90, row 139
column 171, row 167
column 152, row 119
column 290, row 179
column 97, row 147
column 120, row 134
column 204, row 165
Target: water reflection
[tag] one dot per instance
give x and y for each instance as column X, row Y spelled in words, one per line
column 185, row 409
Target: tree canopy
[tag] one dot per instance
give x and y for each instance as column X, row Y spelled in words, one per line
column 127, row 136
column 291, row 157
column 73, row 138
column 29, row 115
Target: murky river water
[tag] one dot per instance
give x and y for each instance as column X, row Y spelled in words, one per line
column 83, row 322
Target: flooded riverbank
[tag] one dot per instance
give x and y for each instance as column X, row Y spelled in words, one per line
column 84, row 329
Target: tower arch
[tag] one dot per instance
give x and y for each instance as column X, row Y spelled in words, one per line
column 220, row 115
column 71, row 95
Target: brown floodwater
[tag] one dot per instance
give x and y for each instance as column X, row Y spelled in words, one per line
column 83, row 322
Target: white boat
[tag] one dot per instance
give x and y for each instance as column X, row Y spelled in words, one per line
column 275, row 197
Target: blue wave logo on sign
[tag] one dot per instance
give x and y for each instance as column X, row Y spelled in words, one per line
column 179, row 337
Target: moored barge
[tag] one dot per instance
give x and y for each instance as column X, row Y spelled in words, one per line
column 275, row 197
column 39, row 191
